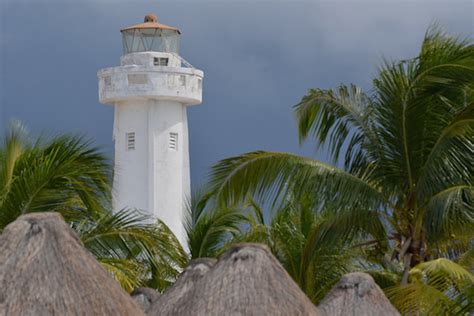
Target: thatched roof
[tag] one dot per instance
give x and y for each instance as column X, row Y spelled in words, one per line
column 144, row 297
column 45, row 270
column 357, row 294
column 174, row 298
column 247, row 280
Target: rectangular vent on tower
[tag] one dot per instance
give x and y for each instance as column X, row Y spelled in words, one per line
column 173, row 143
column 130, row 140
column 200, row 84
column 160, row 61
column 182, row 80
column 171, row 80
column 107, row 81
column 137, row 79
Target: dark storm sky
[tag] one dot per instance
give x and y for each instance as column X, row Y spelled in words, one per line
column 259, row 58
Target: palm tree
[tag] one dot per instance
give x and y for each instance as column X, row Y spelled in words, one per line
column 210, row 229
column 299, row 234
column 302, row 238
column 437, row 287
column 66, row 175
column 134, row 249
column 405, row 149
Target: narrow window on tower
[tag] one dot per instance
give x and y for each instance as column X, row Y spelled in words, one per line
column 130, row 140
column 199, row 84
column 173, row 143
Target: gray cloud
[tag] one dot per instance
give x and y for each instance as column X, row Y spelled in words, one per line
column 259, row 58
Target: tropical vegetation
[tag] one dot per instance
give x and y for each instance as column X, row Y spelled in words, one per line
column 437, row 287
column 400, row 183
column 395, row 200
column 66, row 174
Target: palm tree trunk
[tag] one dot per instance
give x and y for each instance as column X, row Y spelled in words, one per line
column 406, row 270
column 406, row 245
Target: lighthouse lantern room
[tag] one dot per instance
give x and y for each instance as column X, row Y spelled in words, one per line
column 150, row 92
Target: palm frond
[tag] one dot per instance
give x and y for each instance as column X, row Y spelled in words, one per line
column 66, row 174
column 442, row 272
column 385, row 278
column 14, row 144
column 127, row 272
column 449, row 161
column 209, row 226
column 257, row 211
column 274, row 174
column 129, row 238
column 437, row 287
column 467, row 259
column 289, row 236
column 47, row 177
column 338, row 118
column 450, row 213
column 416, row 100
column 421, row 299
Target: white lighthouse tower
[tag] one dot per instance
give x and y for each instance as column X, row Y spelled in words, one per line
column 150, row 91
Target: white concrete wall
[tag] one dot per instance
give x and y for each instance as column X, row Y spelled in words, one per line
column 130, row 187
column 146, row 59
column 162, row 82
column 169, row 167
column 152, row 177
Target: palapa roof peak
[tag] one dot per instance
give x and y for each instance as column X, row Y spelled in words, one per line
column 357, row 294
column 144, row 297
column 176, row 296
column 196, row 269
column 45, row 270
column 247, row 280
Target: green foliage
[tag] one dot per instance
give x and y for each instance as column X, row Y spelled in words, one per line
column 407, row 150
column 408, row 147
column 437, row 287
column 135, row 249
column 66, row 175
column 400, row 204
column 209, row 227
column 53, row 175
column 304, row 242
column 273, row 174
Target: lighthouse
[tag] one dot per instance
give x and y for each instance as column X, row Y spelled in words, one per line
column 150, row 92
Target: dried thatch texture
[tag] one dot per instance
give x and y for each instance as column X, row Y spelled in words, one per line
column 357, row 294
column 144, row 297
column 172, row 301
column 44, row 270
column 247, row 280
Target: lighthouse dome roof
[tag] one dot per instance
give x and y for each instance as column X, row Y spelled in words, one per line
column 150, row 22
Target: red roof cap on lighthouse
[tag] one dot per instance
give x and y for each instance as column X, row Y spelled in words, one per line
column 151, row 22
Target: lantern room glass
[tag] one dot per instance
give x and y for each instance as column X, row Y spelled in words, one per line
column 152, row 39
